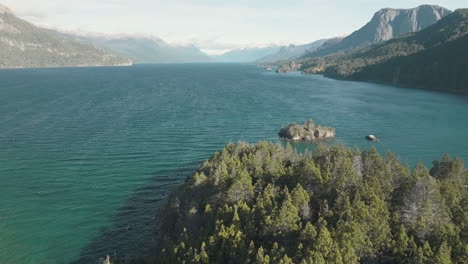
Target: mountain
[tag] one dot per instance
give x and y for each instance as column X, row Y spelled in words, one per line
column 144, row 49
column 246, row 54
column 433, row 58
column 23, row 45
column 292, row 52
column 384, row 25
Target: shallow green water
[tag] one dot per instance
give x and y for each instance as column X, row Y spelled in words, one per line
column 88, row 154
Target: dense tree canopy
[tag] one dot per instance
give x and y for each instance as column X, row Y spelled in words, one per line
column 265, row 203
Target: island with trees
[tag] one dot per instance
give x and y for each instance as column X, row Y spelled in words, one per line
column 266, row 203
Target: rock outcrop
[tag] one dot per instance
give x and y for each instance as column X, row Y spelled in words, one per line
column 372, row 138
column 5, row 10
column 433, row 58
column 289, row 66
column 307, row 131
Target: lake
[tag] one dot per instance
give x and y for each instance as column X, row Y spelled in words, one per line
column 87, row 155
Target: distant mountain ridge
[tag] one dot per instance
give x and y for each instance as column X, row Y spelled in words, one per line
column 23, row 45
column 292, row 52
column 246, row 55
column 144, row 49
column 384, row 25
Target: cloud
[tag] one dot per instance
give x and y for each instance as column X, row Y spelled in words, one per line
column 211, row 24
column 212, row 52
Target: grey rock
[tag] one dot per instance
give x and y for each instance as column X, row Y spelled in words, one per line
column 4, row 10
column 289, row 66
column 384, row 25
column 307, row 131
column 372, row 138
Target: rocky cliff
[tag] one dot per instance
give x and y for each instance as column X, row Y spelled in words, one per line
column 307, row 131
column 433, row 58
column 384, row 25
column 289, row 66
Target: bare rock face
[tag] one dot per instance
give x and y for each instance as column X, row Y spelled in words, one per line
column 5, row 10
column 387, row 23
column 307, row 131
column 289, row 66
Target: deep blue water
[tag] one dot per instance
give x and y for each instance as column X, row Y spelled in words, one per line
column 88, row 154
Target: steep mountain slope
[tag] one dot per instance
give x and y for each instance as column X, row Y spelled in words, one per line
column 292, row 52
column 23, row 45
column 246, row 54
column 143, row 49
column 433, row 58
column 384, row 25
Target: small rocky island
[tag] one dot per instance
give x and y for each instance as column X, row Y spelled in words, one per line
column 307, row 131
column 372, row 138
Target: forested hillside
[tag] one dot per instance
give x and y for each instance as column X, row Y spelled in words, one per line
column 386, row 24
column 24, row 45
column 265, row 203
column 433, row 58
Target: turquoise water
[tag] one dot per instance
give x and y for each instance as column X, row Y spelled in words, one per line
column 88, row 154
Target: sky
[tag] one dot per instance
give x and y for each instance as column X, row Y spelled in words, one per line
column 213, row 25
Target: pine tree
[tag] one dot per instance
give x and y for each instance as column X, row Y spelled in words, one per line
column 300, row 200
column 348, row 253
column 288, row 217
column 443, row 254
column 241, row 189
column 204, row 259
column 286, row 260
column 308, row 235
column 324, row 242
column 400, row 250
column 262, row 258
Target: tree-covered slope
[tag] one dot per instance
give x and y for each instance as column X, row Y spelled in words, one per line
column 265, row 203
column 433, row 58
column 443, row 67
column 23, row 45
column 386, row 24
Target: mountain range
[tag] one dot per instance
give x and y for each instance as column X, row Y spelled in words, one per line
column 292, row 52
column 246, row 55
column 433, row 58
column 384, row 25
column 142, row 49
column 419, row 47
column 23, row 45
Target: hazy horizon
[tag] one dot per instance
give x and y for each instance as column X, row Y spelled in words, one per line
column 212, row 26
